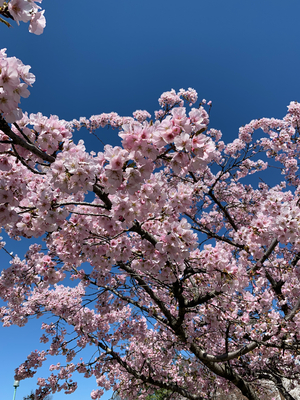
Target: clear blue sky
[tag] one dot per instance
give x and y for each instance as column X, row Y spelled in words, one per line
column 101, row 56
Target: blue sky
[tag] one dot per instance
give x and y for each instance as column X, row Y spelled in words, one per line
column 101, row 56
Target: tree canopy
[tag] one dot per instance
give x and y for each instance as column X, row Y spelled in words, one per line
column 175, row 255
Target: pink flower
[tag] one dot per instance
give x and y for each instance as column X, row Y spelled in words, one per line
column 141, row 115
column 5, row 165
column 37, row 23
column 96, row 394
column 20, row 10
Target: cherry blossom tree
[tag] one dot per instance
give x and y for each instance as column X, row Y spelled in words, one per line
column 164, row 255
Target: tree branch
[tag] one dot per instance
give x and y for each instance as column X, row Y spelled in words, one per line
column 148, row 379
column 223, row 209
column 23, row 143
column 144, row 234
column 264, row 257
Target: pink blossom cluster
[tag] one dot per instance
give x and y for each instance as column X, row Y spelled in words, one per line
column 178, row 242
column 141, row 115
column 74, row 169
column 145, row 141
column 171, row 98
column 25, row 11
column 100, row 121
column 48, row 133
column 34, row 360
column 190, row 95
column 14, row 80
